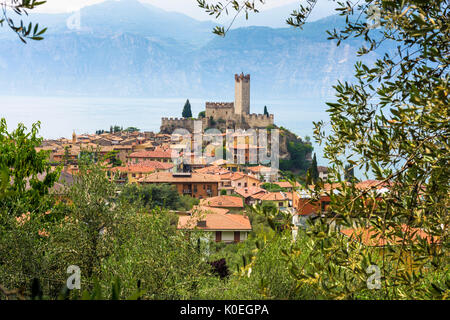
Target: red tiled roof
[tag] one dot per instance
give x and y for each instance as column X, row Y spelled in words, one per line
column 151, row 154
column 133, row 169
column 272, row 196
column 234, row 222
column 223, row 202
column 286, row 184
column 250, row 191
column 257, row 168
column 144, row 167
column 168, row 177
column 213, row 170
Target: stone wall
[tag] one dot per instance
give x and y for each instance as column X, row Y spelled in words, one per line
column 168, row 125
column 258, row 120
column 219, row 110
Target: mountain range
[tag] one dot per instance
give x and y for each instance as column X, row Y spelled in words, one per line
column 130, row 49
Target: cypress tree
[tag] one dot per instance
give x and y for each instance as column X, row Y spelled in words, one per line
column 266, row 113
column 314, row 171
column 187, row 112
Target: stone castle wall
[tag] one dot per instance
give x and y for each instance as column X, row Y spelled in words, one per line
column 234, row 115
column 258, row 120
column 168, row 125
column 221, row 110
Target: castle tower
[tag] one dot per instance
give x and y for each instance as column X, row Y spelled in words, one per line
column 242, row 94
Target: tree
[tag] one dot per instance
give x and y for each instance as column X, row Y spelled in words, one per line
column 131, row 129
column 266, row 113
column 187, row 112
column 113, row 158
column 202, row 115
column 21, row 7
column 313, row 170
column 25, row 174
column 150, row 196
column 391, row 121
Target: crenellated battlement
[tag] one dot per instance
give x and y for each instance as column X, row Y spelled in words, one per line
column 225, row 115
column 242, row 77
column 259, row 116
column 216, row 105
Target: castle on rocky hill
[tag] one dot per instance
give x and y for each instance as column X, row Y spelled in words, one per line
column 225, row 115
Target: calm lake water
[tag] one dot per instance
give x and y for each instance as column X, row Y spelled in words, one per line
column 60, row 116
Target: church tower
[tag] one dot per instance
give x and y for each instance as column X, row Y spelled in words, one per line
column 74, row 137
column 242, row 94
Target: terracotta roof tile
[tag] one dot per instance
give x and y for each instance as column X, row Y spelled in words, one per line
column 250, row 191
column 168, row 177
column 234, row 222
column 151, row 154
column 223, row 202
column 274, row 196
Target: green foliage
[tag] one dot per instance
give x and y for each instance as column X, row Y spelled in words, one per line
column 266, row 113
column 202, row 115
column 132, row 129
column 271, row 187
column 392, row 122
column 298, row 151
column 312, row 175
column 187, row 112
column 157, row 195
column 25, row 174
column 113, row 158
column 21, row 7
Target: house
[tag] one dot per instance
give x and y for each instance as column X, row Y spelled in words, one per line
column 230, row 165
column 224, row 174
column 196, row 185
column 250, row 194
column 131, row 173
column 226, row 227
column 262, row 172
column 156, row 155
column 306, row 207
column 231, row 203
column 241, row 180
column 279, row 199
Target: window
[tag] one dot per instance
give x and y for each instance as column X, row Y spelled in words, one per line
column 239, row 184
column 280, row 204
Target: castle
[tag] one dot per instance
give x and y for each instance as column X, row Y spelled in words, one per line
column 225, row 115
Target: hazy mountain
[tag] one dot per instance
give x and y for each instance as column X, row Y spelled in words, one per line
column 276, row 17
column 131, row 49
